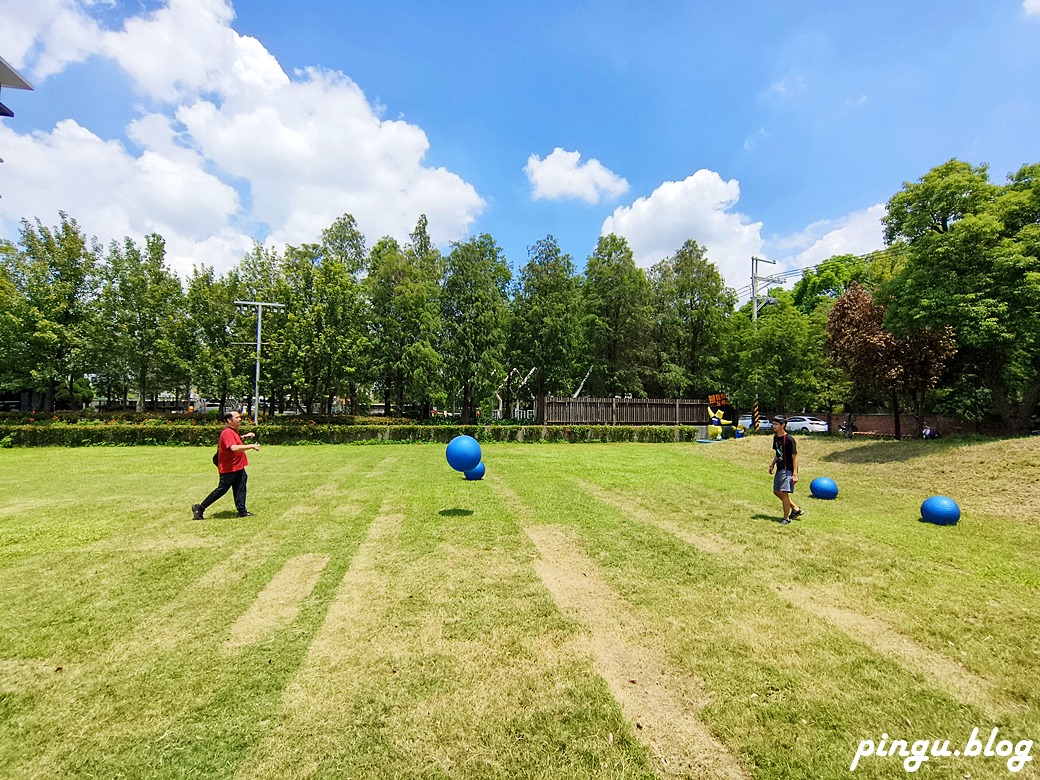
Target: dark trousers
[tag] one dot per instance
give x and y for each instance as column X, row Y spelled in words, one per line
column 236, row 483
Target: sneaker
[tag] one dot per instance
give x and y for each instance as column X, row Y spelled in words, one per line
column 196, row 512
column 796, row 513
column 785, row 521
column 246, row 514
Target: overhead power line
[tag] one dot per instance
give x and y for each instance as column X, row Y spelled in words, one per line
column 783, row 276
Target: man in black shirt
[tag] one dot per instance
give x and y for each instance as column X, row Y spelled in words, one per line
column 785, row 461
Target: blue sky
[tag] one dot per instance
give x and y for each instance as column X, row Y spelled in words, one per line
column 755, row 128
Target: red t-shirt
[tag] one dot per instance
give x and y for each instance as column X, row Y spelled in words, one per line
column 227, row 460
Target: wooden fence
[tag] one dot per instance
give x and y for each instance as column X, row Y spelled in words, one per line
column 625, row 411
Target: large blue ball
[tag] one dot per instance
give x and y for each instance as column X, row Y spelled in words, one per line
column 477, row 472
column 824, row 487
column 940, row 510
column 463, row 453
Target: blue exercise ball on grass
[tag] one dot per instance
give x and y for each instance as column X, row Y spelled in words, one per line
column 476, row 473
column 463, row 453
column 940, row 510
column 824, row 487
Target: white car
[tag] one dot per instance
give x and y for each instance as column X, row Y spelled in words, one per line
column 801, row 422
column 763, row 422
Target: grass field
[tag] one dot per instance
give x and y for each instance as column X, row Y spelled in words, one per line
column 600, row 611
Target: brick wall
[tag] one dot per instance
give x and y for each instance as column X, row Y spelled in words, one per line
column 884, row 424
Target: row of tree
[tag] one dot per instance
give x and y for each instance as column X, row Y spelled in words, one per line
column 944, row 318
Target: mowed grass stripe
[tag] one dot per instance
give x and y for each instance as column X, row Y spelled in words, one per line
column 961, row 592
column 765, row 661
column 940, row 670
column 826, row 604
column 89, row 709
column 471, row 670
column 660, row 701
column 322, row 687
column 279, row 602
column 92, row 697
column 452, row 659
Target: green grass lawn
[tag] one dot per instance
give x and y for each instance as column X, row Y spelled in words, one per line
column 601, row 611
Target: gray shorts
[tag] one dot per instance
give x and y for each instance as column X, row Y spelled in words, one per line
column 782, row 481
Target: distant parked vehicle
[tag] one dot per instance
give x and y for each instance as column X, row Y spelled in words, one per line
column 763, row 422
column 801, row 422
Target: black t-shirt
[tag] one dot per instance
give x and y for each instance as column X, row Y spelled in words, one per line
column 784, row 448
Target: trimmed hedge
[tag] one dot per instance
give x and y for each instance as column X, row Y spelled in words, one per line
column 118, row 434
column 91, row 417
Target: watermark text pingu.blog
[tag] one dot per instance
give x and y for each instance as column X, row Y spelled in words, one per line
column 916, row 752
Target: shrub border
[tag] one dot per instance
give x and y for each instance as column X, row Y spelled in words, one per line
column 122, row 435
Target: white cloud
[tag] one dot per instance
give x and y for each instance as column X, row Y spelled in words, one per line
column 48, row 34
column 854, row 234
column 314, row 149
column 235, row 142
column 152, row 50
column 698, row 207
column 701, row 207
column 563, row 175
column 111, row 192
column 1031, row 6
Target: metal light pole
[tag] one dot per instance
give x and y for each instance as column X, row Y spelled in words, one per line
column 259, row 318
column 755, row 280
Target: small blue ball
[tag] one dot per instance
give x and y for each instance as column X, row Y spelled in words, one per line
column 940, row 510
column 824, row 487
column 463, row 453
column 476, row 473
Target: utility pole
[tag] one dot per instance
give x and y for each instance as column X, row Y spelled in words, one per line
column 755, row 306
column 755, row 281
column 259, row 318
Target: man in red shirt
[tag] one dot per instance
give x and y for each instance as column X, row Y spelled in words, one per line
column 231, row 463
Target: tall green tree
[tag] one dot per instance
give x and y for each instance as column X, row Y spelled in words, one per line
column 475, row 315
column 211, row 314
column 403, row 288
column 779, row 356
column 56, row 276
column 618, row 319
column 143, row 302
column 546, row 322
column 973, row 264
column 937, row 201
column 692, row 308
column 424, row 364
column 10, row 324
column 261, row 276
column 323, row 309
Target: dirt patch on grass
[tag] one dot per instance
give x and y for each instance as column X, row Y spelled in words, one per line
column 296, row 747
column 709, row 543
column 939, row 670
column 279, row 603
column 18, row 675
column 946, row 673
column 231, row 570
column 660, row 700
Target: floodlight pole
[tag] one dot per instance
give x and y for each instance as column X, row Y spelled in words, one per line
column 259, row 319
